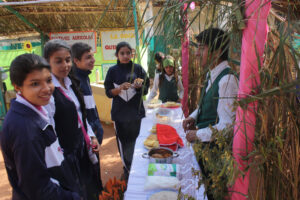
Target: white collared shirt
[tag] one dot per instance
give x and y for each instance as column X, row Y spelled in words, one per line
column 155, row 87
column 44, row 115
column 70, row 93
column 228, row 89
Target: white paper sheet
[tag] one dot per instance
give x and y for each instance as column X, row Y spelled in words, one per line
column 126, row 95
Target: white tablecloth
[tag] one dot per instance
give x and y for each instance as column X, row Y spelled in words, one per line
column 186, row 160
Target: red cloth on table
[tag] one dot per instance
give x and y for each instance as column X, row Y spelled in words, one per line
column 168, row 137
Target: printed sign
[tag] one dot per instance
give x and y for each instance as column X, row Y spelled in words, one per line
column 88, row 37
column 110, row 39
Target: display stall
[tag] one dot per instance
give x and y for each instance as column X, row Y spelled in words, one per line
column 139, row 186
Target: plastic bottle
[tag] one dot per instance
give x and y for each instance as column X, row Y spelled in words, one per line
column 97, row 76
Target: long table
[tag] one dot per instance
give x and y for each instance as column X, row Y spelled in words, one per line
column 186, row 161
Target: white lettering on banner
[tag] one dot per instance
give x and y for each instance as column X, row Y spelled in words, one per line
column 110, row 39
column 88, row 37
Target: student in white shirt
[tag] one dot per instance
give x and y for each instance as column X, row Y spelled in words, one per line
column 34, row 161
column 167, row 82
column 68, row 108
column 217, row 95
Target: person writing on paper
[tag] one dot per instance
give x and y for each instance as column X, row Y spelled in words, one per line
column 34, row 161
column 73, row 131
column 218, row 94
column 126, row 83
column 167, row 82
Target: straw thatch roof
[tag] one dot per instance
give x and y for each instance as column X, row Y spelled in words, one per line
column 62, row 16
column 83, row 15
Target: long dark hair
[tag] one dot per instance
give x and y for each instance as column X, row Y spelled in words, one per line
column 79, row 94
column 159, row 57
column 122, row 44
column 163, row 72
column 78, row 49
column 53, row 46
column 215, row 39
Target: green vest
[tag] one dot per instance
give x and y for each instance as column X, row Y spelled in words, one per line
column 168, row 90
column 207, row 113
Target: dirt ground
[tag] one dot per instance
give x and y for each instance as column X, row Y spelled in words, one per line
column 111, row 164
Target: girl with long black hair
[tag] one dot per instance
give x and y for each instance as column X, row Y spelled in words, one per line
column 74, row 133
column 126, row 83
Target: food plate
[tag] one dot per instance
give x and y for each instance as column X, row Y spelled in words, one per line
column 164, row 195
column 153, row 129
column 151, row 141
column 171, row 104
column 163, row 116
column 154, row 103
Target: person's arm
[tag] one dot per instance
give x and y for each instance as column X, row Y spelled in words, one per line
column 96, row 126
column 92, row 116
column 89, row 130
column 194, row 114
column 94, row 140
column 34, row 179
column 98, row 130
column 228, row 89
column 180, row 88
column 189, row 122
column 154, row 89
column 118, row 90
column 110, row 89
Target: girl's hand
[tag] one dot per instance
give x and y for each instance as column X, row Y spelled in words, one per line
column 137, row 86
column 95, row 145
column 125, row 86
column 138, row 83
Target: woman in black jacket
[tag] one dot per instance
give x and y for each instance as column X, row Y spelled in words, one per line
column 126, row 83
column 74, row 133
column 34, row 161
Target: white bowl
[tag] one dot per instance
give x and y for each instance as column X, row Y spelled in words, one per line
column 163, row 116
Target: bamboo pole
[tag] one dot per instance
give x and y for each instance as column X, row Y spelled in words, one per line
column 136, row 31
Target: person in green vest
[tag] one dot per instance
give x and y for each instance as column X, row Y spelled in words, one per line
column 167, row 82
column 217, row 95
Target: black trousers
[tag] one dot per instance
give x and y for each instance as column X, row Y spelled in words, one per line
column 86, row 173
column 126, row 134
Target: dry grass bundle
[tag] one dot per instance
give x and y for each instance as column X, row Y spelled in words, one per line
column 277, row 145
column 276, row 155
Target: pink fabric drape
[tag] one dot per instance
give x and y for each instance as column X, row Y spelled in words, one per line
column 254, row 39
column 185, row 63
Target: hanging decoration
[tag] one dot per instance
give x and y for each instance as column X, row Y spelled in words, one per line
column 253, row 44
column 185, row 60
column 27, row 46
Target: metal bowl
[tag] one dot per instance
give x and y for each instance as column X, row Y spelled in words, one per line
column 166, row 155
